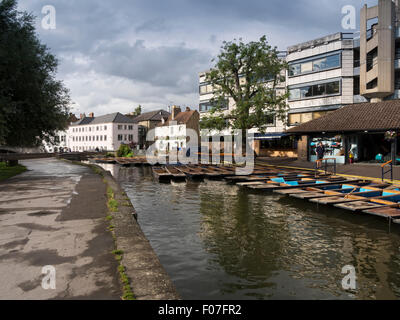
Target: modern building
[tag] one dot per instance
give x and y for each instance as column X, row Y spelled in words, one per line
column 364, row 69
column 105, row 133
column 172, row 134
column 334, row 72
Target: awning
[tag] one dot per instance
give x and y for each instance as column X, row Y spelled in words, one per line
column 269, row 136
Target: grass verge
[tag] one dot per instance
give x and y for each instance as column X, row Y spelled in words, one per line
column 8, row 172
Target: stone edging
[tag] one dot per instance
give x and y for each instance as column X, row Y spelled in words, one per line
column 148, row 279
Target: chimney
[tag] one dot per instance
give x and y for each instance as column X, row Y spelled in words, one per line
column 91, row 115
column 175, row 111
column 81, row 116
column 187, row 109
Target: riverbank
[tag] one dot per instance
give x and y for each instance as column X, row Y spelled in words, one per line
column 8, row 172
column 56, row 214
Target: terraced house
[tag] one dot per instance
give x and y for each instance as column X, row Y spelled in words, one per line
column 106, row 132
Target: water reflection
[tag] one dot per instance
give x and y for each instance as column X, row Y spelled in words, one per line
column 220, row 241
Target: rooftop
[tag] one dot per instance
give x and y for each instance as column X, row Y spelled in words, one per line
column 180, row 118
column 380, row 116
column 155, row 115
column 108, row 118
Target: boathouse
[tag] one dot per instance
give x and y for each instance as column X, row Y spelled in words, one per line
column 365, row 132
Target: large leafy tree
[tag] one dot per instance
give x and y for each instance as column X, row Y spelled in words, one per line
column 33, row 103
column 250, row 74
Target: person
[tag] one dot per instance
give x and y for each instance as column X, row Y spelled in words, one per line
column 320, row 152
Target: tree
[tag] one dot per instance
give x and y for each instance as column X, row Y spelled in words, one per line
column 138, row 111
column 250, row 75
column 33, row 103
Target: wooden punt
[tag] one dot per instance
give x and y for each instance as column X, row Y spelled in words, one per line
column 243, row 181
column 362, row 206
column 223, row 172
column 316, row 192
column 391, row 201
column 336, row 197
column 390, row 213
column 161, row 174
column 193, row 174
column 272, row 187
column 313, row 192
column 176, row 174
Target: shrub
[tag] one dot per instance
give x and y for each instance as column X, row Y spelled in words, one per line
column 123, row 151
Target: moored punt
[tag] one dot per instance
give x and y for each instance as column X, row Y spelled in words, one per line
column 161, row 174
column 263, row 176
column 293, row 185
column 390, row 213
column 373, row 203
column 223, row 172
column 314, row 192
column 194, row 174
column 353, row 195
column 176, row 174
column 208, row 172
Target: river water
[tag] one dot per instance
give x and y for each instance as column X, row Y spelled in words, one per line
column 219, row 241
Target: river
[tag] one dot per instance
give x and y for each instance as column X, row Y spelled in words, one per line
column 219, row 241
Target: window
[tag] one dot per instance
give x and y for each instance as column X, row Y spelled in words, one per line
column 208, row 106
column 130, row 138
column 105, row 138
column 105, row 127
column 120, row 137
column 206, row 89
column 315, row 64
column 130, row 127
column 119, row 127
column 318, row 90
column 299, row 118
column 125, row 127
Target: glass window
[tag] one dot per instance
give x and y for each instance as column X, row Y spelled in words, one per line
column 332, row 61
column 295, row 69
column 294, row 94
column 318, row 65
column 332, row 88
column 306, row 67
column 294, row 118
column 319, row 90
column 306, row 92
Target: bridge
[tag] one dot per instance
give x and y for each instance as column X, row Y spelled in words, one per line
column 12, row 158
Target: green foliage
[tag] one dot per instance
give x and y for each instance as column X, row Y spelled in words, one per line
column 124, row 151
column 8, row 172
column 249, row 73
column 138, row 111
column 113, row 205
column 33, row 103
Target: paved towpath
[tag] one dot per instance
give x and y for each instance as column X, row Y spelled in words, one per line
column 54, row 214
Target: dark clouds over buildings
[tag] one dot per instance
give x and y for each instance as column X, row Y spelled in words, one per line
column 117, row 54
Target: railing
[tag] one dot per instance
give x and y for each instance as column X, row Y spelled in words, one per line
column 388, row 171
column 326, row 165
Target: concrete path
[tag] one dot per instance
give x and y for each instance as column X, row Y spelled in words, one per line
column 54, row 215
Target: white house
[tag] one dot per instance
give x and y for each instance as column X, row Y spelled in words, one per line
column 106, row 132
column 172, row 134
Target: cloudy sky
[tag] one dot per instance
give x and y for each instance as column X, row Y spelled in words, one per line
column 115, row 55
